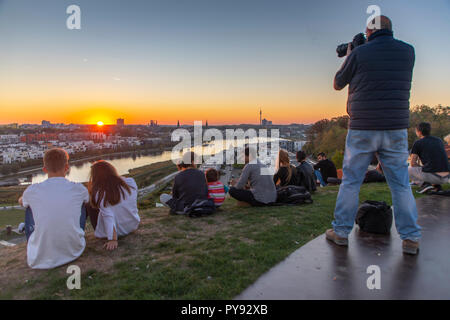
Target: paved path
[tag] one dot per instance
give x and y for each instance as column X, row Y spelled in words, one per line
column 322, row 270
column 18, row 207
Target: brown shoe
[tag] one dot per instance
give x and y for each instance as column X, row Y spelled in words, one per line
column 332, row 236
column 410, row 247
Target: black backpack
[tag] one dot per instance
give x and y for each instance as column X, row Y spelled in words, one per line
column 293, row 195
column 374, row 176
column 200, row 208
column 374, row 217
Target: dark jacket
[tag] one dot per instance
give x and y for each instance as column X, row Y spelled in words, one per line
column 306, row 177
column 327, row 169
column 379, row 75
column 189, row 185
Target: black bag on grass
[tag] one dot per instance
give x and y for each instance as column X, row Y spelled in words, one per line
column 374, row 217
column 374, row 176
column 200, row 208
column 293, row 195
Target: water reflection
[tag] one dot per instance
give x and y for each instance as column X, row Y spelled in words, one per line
column 79, row 171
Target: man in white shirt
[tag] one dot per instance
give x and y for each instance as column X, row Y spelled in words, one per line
column 55, row 216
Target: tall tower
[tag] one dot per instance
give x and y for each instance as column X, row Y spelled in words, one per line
column 260, row 116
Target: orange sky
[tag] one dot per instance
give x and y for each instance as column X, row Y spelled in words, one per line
column 91, row 102
column 171, row 61
column 67, row 106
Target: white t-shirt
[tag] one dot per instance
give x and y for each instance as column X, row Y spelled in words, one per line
column 123, row 216
column 57, row 238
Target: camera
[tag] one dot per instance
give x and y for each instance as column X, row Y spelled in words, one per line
column 358, row 40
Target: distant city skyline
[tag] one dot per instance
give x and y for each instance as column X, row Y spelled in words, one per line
column 219, row 61
column 148, row 123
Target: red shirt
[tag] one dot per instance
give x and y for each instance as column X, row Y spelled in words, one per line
column 216, row 191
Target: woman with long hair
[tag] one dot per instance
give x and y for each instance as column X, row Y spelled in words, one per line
column 113, row 203
column 286, row 174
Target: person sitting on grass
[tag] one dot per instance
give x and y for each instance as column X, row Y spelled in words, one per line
column 305, row 173
column 55, row 215
column 324, row 169
column 262, row 188
column 113, row 208
column 216, row 189
column 189, row 185
column 435, row 169
column 285, row 172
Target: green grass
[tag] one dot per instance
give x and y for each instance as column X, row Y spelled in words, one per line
column 146, row 175
column 175, row 257
column 11, row 217
column 10, row 195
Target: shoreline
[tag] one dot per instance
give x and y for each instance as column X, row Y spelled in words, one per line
column 31, row 170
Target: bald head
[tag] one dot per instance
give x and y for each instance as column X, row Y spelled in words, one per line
column 378, row 23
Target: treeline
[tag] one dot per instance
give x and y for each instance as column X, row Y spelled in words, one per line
column 329, row 135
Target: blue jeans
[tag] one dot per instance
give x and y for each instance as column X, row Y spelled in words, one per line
column 319, row 176
column 29, row 220
column 392, row 149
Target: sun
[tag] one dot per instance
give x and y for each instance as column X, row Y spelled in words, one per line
column 100, row 123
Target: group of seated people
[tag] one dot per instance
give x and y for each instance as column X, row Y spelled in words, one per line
column 191, row 186
column 255, row 186
column 258, row 188
column 57, row 209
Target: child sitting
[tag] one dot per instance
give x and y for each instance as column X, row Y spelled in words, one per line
column 216, row 189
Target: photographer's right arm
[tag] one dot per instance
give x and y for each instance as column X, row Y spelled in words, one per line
column 346, row 73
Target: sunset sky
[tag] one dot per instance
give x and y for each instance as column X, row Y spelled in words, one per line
column 215, row 60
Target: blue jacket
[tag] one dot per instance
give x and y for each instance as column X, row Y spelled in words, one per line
column 379, row 75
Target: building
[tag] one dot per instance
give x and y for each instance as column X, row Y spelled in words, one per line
column 38, row 137
column 9, row 138
column 298, row 145
column 46, row 124
column 9, row 126
column 266, row 122
column 120, row 122
column 288, row 145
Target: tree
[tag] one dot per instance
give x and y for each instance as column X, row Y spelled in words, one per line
column 438, row 117
column 329, row 135
column 338, row 159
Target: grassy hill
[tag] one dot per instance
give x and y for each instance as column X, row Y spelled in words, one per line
column 175, row 257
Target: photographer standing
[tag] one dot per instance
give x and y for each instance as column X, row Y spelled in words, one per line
column 379, row 75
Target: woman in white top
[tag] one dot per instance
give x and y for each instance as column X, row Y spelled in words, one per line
column 115, row 199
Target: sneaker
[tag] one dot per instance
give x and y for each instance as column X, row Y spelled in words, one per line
column 410, row 247
column 21, row 227
column 332, row 236
column 437, row 187
column 424, row 188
